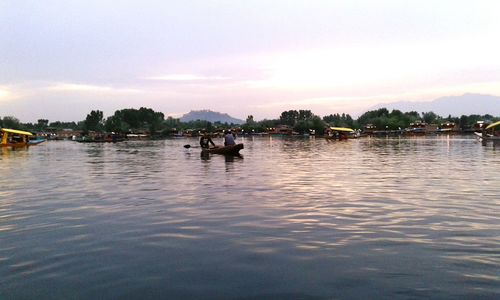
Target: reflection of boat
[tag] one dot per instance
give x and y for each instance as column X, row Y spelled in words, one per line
column 15, row 138
column 226, row 150
column 490, row 132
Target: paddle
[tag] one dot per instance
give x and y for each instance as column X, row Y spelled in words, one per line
column 189, row 146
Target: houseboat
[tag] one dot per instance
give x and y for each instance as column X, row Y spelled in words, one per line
column 281, row 130
column 447, row 127
column 418, row 127
column 340, row 133
column 14, row 138
column 369, row 129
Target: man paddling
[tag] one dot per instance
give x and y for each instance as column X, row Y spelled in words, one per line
column 205, row 141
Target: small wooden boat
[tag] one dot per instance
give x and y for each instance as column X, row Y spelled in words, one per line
column 226, row 150
column 35, row 141
column 14, row 138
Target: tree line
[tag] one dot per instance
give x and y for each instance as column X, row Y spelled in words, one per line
column 300, row 121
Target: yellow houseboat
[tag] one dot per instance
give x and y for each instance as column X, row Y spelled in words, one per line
column 340, row 133
column 14, row 138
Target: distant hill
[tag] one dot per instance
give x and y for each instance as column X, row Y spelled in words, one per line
column 211, row 116
column 467, row 104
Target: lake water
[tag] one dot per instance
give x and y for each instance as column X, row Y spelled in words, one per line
column 302, row 218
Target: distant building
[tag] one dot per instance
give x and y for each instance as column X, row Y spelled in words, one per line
column 480, row 125
column 369, row 129
column 60, row 134
column 420, row 127
column 448, row 127
column 280, row 129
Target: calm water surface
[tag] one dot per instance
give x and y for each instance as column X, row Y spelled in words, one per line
column 409, row 218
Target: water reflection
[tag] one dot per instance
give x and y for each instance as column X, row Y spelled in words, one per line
column 302, row 217
column 205, row 155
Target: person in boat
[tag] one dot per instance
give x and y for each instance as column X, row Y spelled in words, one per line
column 205, row 141
column 229, row 139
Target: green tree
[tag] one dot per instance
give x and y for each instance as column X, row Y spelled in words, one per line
column 289, row 117
column 337, row 120
column 306, row 121
column 463, row 122
column 63, row 125
column 94, row 121
column 11, row 122
column 171, row 125
column 304, row 115
column 116, row 124
column 430, row 117
column 130, row 119
column 250, row 120
column 42, row 124
column 269, row 123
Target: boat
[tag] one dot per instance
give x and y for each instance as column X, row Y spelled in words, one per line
column 418, row 127
column 225, row 150
column 35, row 141
column 15, row 138
column 340, row 133
column 490, row 132
column 110, row 138
column 448, row 127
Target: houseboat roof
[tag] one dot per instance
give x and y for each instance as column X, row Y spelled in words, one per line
column 16, row 131
column 493, row 125
column 341, row 129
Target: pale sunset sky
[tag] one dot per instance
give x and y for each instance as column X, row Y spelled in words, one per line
column 61, row 59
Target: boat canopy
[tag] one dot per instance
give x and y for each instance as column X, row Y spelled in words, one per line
column 16, row 131
column 345, row 129
column 493, row 125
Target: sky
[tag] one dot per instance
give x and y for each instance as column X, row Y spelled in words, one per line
column 61, row 59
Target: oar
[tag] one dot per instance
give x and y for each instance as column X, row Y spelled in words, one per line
column 189, row 146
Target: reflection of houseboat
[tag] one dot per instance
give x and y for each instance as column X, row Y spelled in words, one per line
column 137, row 136
column 17, row 138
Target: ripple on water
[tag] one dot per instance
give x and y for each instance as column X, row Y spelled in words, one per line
column 294, row 218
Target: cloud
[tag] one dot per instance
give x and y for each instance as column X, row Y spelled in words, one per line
column 4, row 93
column 76, row 87
column 185, row 77
column 8, row 94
